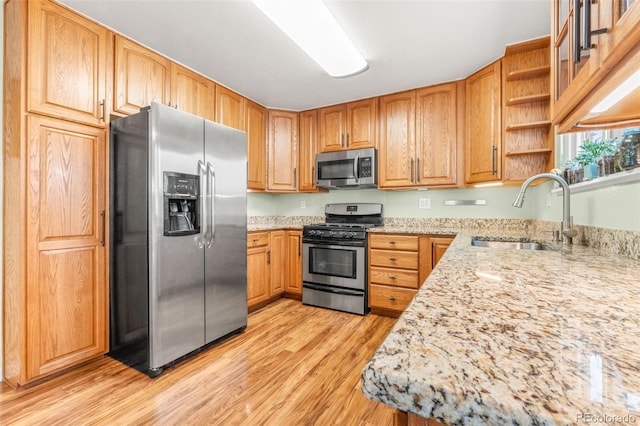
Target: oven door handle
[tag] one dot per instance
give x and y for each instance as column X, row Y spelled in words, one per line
column 333, row 290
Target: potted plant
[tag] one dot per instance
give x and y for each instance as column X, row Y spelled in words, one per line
column 590, row 152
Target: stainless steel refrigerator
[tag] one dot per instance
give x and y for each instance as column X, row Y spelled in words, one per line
column 178, row 236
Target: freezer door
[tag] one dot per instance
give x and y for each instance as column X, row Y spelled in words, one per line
column 176, row 263
column 226, row 235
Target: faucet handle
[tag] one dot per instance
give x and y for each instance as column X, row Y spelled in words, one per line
column 570, row 232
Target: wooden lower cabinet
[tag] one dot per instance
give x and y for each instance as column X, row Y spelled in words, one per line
column 274, row 266
column 398, row 265
column 293, row 282
column 258, row 268
column 278, row 249
column 402, row 418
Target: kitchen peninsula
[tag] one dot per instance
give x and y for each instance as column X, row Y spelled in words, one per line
column 502, row 336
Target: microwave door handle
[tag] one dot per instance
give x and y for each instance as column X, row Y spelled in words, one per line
column 356, row 168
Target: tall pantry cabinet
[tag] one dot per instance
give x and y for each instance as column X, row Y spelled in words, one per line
column 55, row 155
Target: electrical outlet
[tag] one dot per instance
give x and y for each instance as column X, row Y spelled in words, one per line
column 303, row 204
column 548, row 199
column 424, row 203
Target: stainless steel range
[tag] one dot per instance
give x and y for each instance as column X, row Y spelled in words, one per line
column 334, row 257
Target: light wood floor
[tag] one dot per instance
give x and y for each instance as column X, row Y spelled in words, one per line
column 293, row 365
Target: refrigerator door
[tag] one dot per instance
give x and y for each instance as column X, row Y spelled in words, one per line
column 176, row 263
column 226, row 238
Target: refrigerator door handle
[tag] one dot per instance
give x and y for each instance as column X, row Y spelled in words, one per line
column 202, row 171
column 211, row 173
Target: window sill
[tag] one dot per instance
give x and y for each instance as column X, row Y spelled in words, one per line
column 619, row 178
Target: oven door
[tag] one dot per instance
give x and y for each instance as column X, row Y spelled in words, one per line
column 334, row 265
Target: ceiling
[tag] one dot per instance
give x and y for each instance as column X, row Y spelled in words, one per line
column 408, row 44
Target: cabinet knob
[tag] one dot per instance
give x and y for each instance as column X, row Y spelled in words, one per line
column 393, row 299
column 392, row 259
column 392, row 242
column 392, row 277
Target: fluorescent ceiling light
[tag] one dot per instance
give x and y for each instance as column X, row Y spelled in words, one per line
column 312, row 27
column 618, row 94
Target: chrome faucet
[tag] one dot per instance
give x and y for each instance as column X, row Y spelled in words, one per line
column 568, row 232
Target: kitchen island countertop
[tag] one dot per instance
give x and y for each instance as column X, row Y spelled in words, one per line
column 503, row 336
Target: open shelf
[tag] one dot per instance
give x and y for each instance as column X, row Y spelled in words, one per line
column 529, row 152
column 529, row 73
column 544, row 97
column 532, row 125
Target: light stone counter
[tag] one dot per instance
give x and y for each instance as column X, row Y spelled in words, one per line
column 499, row 336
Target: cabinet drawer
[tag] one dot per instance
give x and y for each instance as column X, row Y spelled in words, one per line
column 394, row 242
column 394, row 277
column 395, row 299
column 257, row 239
column 394, row 259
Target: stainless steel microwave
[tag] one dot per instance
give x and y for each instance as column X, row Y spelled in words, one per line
column 356, row 168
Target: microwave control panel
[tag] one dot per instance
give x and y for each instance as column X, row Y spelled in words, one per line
column 365, row 167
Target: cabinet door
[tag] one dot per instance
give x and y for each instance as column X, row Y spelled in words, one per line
column 256, row 124
column 142, row 76
column 483, row 149
column 67, row 284
column 191, row 92
column 331, row 123
column 308, row 147
column 396, row 153
column 258, row 275
column 278, row 246
column 294, row 263
column 361, row 123
column 229, row 108
column 283, row 152
column 67, row 64
column 437, row 137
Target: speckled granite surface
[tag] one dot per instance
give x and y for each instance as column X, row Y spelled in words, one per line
column 625, row 243
column 517, row 337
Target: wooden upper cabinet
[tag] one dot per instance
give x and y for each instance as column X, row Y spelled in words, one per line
column 67, row 288
column 362, row 117
column 483, row 151
column 437, row 135
column 191, row 92
column 229, row 108
column 67, row 64
column 282, row 139
column 396, row 147
column 142, row 76
column 581, row 78
column 256, row 124
column 308, row 147
column 331, row 122
column 348, row 126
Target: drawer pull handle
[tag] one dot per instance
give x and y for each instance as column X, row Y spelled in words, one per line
column 392, row 242
column 392, row 277
column 255, row 240
column 393, row 299
column 393, row 259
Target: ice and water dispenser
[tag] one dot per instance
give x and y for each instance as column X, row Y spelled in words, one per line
column 181, row 204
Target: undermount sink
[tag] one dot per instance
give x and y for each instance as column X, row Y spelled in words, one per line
column 513, row 245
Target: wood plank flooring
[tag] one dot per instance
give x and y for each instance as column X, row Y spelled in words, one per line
column 293, row 365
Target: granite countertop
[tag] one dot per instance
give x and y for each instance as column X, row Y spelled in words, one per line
column 503, row 336
column 270, row 227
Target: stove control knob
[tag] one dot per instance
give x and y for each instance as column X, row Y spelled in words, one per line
column 350, row 234
column 312, row 232
column 331, row 233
